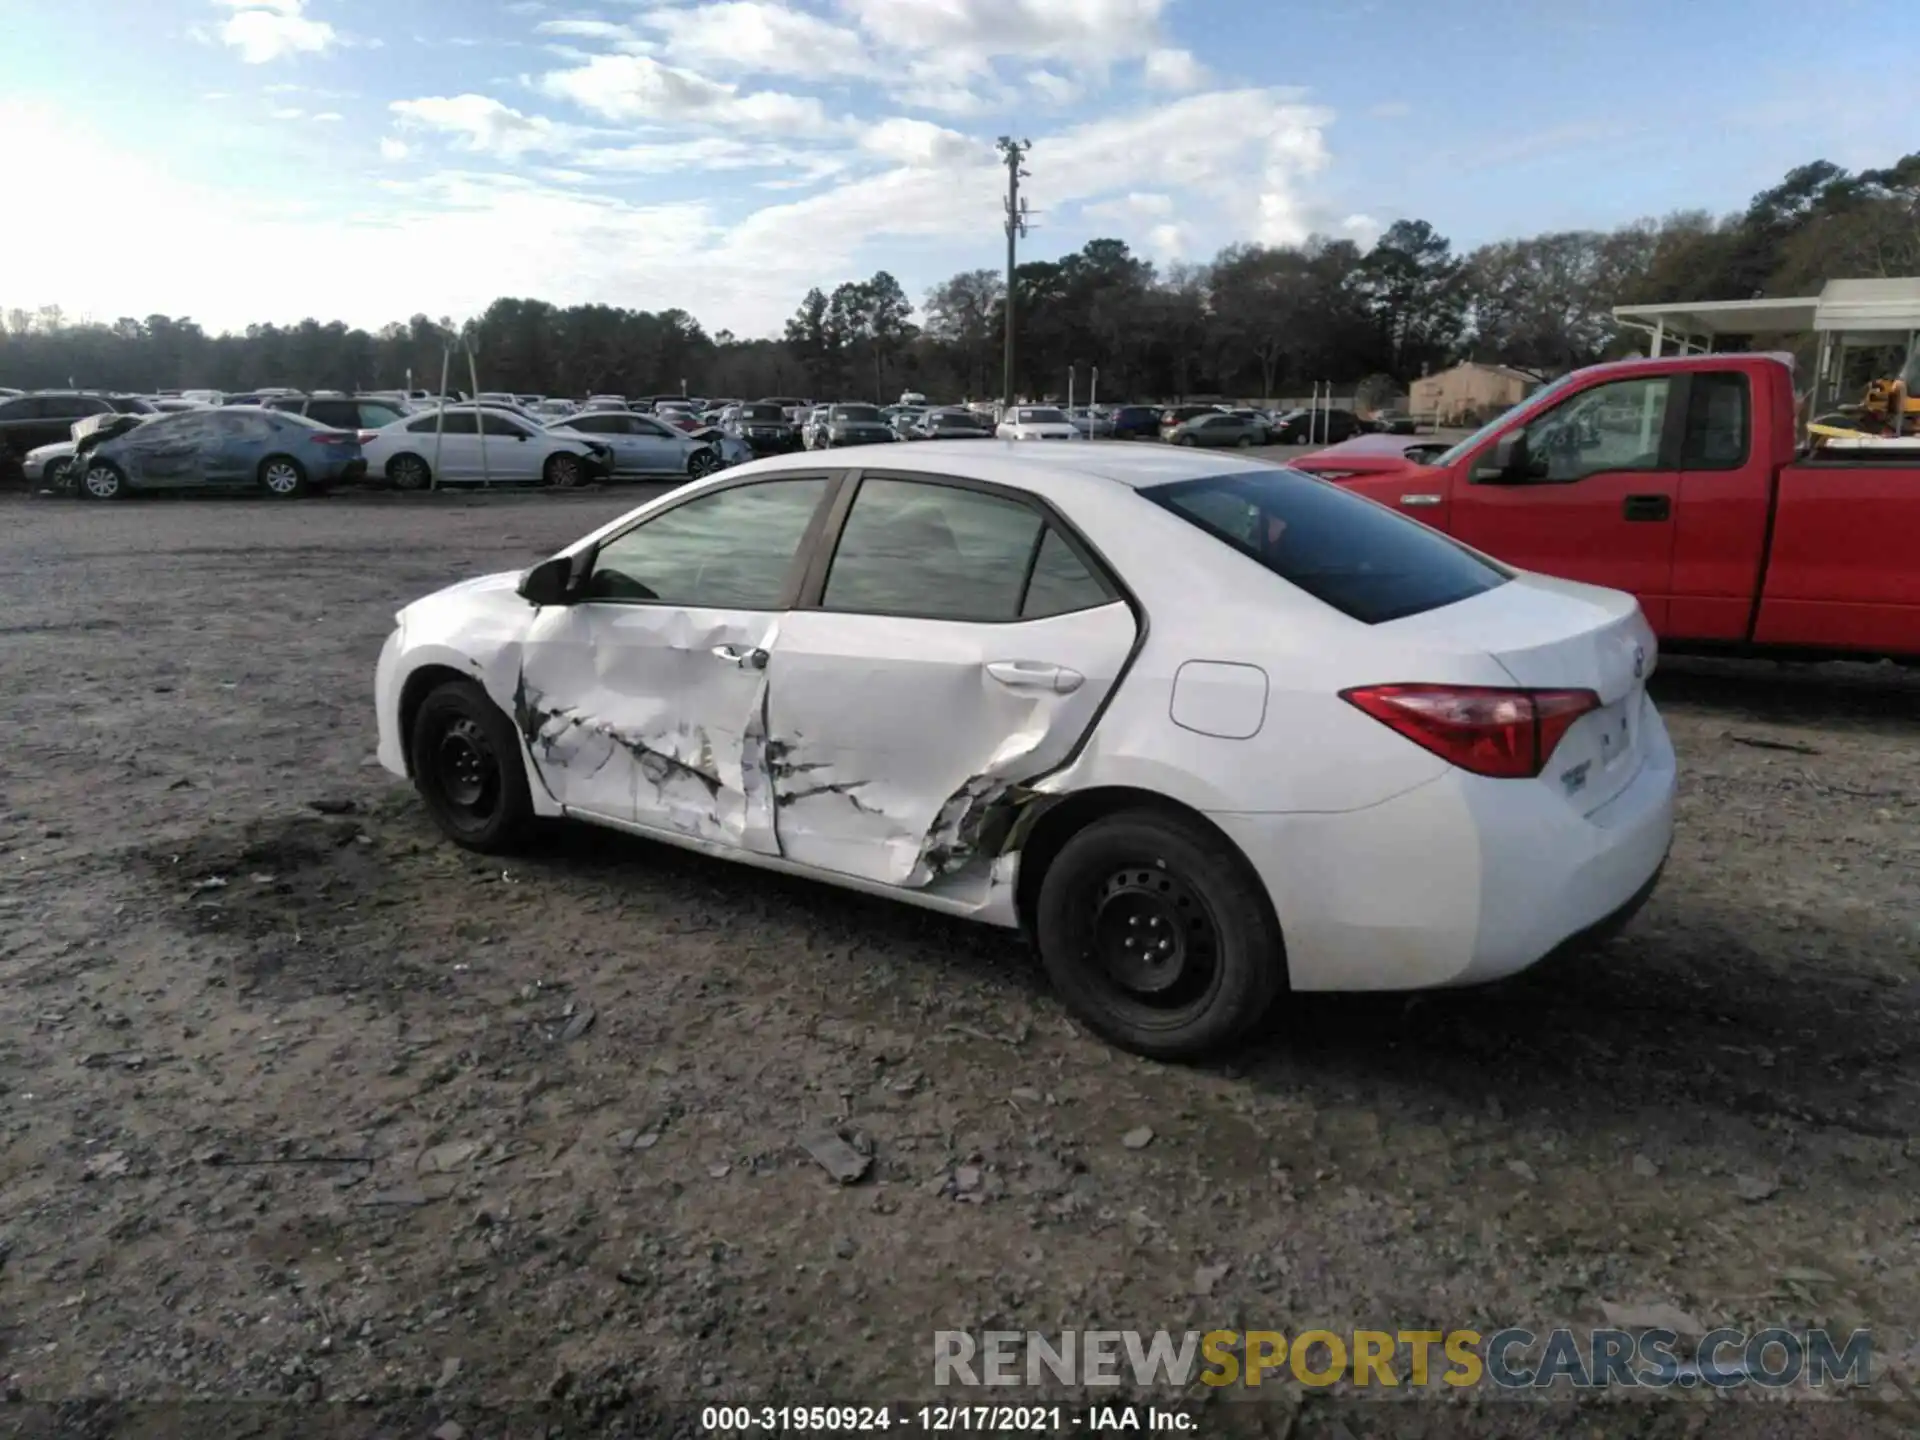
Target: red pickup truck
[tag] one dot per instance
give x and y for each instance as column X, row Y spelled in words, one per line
column 1680, row 480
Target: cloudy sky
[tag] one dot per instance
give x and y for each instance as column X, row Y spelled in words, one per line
column 243, row 160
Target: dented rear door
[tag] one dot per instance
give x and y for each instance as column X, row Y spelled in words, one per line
column 963, row 643
column 645, row 701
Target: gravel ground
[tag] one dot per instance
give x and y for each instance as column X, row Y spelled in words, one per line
column 301, row 1103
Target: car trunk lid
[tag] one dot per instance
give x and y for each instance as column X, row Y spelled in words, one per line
column 1550, row 634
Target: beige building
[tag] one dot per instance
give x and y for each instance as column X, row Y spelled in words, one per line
column 1468, row 390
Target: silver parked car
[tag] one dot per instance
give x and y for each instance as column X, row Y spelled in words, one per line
column 645, row 447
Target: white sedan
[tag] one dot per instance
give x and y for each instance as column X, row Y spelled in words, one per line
column 474, row 444
column 1207, row 730
column 1037, row 422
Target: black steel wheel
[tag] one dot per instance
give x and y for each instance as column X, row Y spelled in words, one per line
column 1158, row 935
column 467, row 767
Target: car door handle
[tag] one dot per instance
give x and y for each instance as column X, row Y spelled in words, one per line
column 1647, row 507
column 1412, row 500
column 1035, row 675
column 747, row 658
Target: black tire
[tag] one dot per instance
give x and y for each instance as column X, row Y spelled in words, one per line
column 703, row 461
column 1184, row 440
column 1245, row 442
column 408, row 472
column 1152, row 878
column 467, row 768
column 282, row 477
column 101, row 480
column 564, row 472
column 58, row 476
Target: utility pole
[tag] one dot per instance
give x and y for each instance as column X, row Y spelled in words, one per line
column 1013, row 152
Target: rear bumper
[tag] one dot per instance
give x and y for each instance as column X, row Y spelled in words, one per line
column 1461, row 880
column 771, row 445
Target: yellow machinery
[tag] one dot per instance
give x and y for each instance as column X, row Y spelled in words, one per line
column 1889, row 410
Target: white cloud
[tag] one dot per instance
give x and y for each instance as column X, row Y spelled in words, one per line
column 485, row 126
column 1170, row 69
column 288, row 112
column 267, row 30
column 1132, row 208
column 392, row 149
column 1052, row 88
column 621, row 35
column 328, row 117
column 1080, row 31
column 756, row 37
column 919, row 143
column 1168, row 242
column 637, row 87
column 1362, row 229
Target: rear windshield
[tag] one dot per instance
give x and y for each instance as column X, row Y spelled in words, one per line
column 861, row 413
column 762, row 412
column 1363, row 559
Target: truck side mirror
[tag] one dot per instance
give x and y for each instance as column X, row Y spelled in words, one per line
column 1505, row 463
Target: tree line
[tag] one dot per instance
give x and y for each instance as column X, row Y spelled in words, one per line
column 1255, row 321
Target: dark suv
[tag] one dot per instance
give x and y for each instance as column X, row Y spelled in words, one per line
column 1135, row 422
column 764, row 426
column 45, row 417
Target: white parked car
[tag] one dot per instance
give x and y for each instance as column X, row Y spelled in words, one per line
column 1207, row 730
column 470, row 444
column 643, row 447
column 46, row 465
column 1036, row 422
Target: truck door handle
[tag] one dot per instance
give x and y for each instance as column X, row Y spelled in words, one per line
column 743, row 656
column 1413, row 500
column 1035, row 675
column 1647, row 507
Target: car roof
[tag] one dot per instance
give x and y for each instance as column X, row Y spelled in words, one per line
column 1013, row 462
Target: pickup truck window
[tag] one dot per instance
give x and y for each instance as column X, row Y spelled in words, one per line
column 1462, row 448
column 1717, row 426
column 1615, row 427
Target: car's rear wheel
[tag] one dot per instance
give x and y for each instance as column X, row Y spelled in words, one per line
column 408, row 472
column 703, row 461
column 467, row 768
column 283, row 477
column 1184, row 440
column 102, row 480
column 565, row 472
column 58, row 476
column 1156, row 933
column 1245, row 442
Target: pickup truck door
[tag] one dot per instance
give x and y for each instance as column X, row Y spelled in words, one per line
column 1592, row 492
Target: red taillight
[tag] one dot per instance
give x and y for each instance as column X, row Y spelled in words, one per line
column 363, row 436
column 335, row 437
column 1508, row 734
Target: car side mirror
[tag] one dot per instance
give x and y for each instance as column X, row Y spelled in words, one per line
column 549, row 583
column 1505, row 463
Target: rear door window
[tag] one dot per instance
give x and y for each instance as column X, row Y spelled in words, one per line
column 1717, row 423
column 1364, row 560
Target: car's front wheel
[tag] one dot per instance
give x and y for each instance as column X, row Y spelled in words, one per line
column 1156, row 934
column 102, row 480
column 703, row 461
column 467, row 767
column 58, row 477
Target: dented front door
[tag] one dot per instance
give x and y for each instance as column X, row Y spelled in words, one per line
column 652, row 715
column 645, row 700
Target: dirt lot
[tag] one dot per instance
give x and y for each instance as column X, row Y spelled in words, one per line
column 293, row 1108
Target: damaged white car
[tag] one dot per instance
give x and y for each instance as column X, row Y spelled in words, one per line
column 1207, row 730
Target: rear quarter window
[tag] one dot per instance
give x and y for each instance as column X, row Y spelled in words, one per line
column 1362, row 559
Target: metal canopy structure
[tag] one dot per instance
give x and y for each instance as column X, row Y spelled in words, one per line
column 1845, row 315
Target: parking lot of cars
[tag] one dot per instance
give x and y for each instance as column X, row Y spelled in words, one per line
column 502, row 438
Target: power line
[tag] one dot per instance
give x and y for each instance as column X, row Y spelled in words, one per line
column 1013, row 152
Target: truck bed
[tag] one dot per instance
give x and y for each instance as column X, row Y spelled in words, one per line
column 1843, row 565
